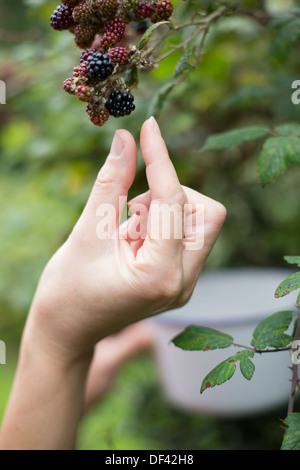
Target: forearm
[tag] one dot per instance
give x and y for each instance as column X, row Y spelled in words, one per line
column 46, row 402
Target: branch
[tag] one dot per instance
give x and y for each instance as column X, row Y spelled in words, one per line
column 295, row 378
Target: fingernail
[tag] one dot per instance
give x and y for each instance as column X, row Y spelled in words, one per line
column 154, row 126
column 117, row 145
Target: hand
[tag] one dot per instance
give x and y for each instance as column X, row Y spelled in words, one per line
column 94, row 287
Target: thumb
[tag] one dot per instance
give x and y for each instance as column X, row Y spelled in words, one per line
column 113, row 181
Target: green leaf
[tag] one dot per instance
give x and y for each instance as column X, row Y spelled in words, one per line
column 235, row 137
column 298, row 300
column 184, row 63
column 289, row 129
column 225, row 370
column 291, row 439
column 277, row 152
column 219, row 374
column 285, row 40
column 147, row 35
column 270, row 331
column 290, row 284
column 195, row 338
column 160, row 97
column 292, row 260
column 247, row 367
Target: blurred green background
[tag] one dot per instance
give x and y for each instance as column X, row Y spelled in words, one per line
column 51, row 153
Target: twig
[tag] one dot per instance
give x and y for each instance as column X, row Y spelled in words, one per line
column 295, row 377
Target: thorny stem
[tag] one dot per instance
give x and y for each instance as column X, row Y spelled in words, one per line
column 261, row 351
column 295, row 378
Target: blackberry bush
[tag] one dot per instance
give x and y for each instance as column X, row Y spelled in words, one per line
column 116, row 41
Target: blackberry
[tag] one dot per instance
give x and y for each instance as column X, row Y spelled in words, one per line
column 84, row 35
column 82, row 13
column 108, row 40
column 130, row 4
column 68, row 86
column 117, row 26
column 100, row 66
column 85, row 54
column 71, row 2
column 120, row 104
column 62, row 18
column 98, row 115
column 84, row 93
column 163, row 11
column 119, row 55
column 144, row 9
column 80, row 70
column 107, row 8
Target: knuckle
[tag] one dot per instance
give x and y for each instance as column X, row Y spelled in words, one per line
column 171, row 286
column 219, row 213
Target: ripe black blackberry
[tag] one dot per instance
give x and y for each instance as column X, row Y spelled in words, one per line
column 100, row 66
column 120, row 104
column 86, row 54
column 62, row 18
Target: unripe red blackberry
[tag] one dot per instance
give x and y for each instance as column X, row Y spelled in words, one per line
column 107, row 8
column 117, row 26
column 120, row 104
column 62, row 18
column 144, row 9
column 84, row 93
column 84, row 35
column 68, row 86
column 98, row 115
column 162, row 10
column 119, row 55
column 81, row 70
column 108, row 40
column 82, row 13
column 86, row 54
column 100, row 66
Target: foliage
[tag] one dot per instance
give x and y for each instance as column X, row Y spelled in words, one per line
column 222, row 95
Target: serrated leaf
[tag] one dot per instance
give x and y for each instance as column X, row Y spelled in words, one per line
column 184, row 63
column 220, row 374
column 270, row 331
column 246, row 366
column 234, row 137
column 195, row 338
column 160, row 97
column 292, row 260
column 225, row 370
column 289, row 129
column 147, row 35
column 287, row 286
column 291, row 438
column 285, row 40
column 277, row 152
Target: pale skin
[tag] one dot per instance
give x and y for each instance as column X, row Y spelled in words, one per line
column 92, row 289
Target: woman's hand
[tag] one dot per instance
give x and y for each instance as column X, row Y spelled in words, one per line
column 96, row 284
column 100, row 281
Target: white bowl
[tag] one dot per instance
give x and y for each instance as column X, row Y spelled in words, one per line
column 233, row 301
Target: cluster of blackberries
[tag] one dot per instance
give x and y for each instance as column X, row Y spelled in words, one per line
column 100, row 29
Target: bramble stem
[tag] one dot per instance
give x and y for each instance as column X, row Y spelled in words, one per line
column 295, row 378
